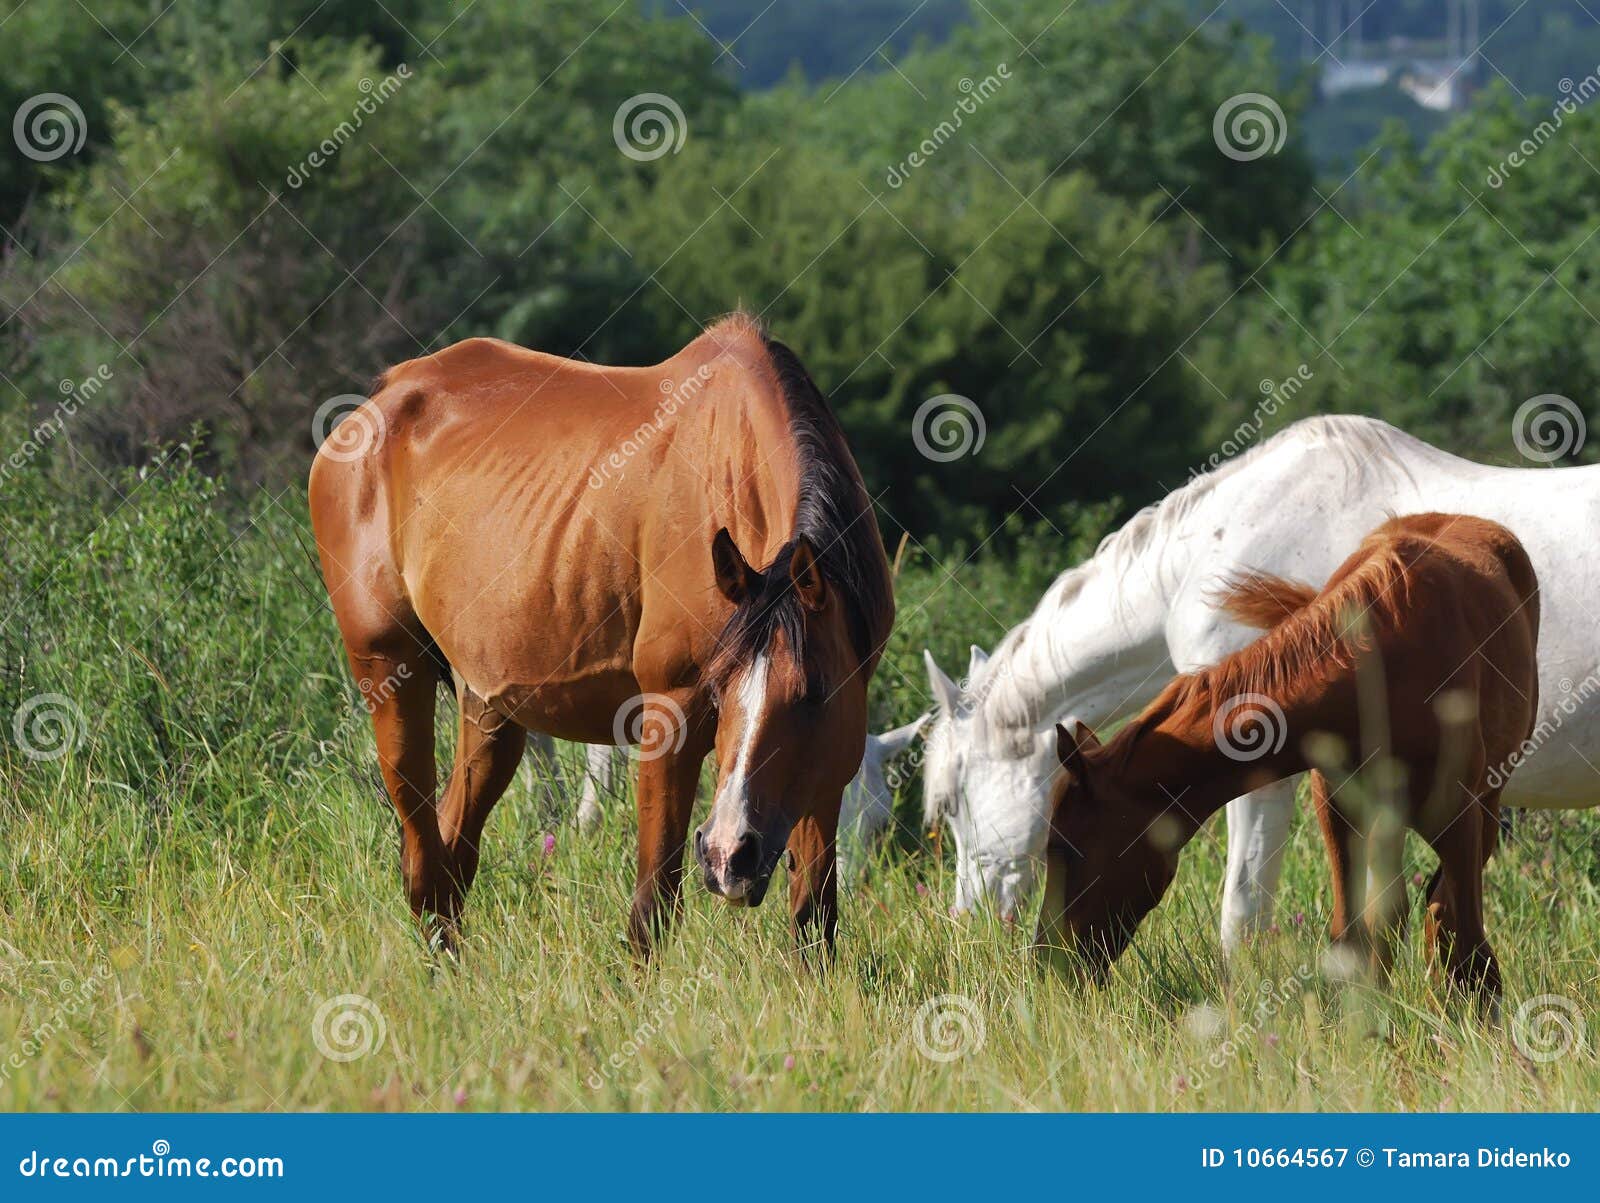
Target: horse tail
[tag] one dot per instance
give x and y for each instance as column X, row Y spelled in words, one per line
column 1261, row 600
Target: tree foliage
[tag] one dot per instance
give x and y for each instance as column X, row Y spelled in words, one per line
column 1032, row 214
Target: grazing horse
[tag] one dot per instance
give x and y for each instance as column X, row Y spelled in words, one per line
column 1416, row 663
column 575, row 549
column 1112, row 630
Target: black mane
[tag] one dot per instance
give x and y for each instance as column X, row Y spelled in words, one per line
column 834, row 514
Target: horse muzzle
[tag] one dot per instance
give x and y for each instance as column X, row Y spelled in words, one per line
column 739, row 867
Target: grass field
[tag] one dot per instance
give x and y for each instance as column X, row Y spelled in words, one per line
column 199, row 902
column 194, row 977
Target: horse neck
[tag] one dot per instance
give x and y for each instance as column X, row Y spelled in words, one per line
column 1194, row 756
column 741, row 456
column 1183, row 771
column 1094, row 647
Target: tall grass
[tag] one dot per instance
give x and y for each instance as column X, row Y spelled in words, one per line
column 189, row 893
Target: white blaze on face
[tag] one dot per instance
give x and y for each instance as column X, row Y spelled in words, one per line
column 730, row 810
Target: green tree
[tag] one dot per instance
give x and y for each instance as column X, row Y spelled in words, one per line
column 1456, row 286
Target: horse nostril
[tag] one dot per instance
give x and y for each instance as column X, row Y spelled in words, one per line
column 746, row 858
column 700, row 844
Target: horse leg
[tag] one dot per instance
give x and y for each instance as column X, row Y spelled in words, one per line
column 814, row 880
column 599, row 762
column 1341, row 840
column 1385, row 891
column 665, row 799
column 1362, row 923
column 402, row 706
column 488, row 750
column 1455, row 928
column 544, row 769
column 1258, row 829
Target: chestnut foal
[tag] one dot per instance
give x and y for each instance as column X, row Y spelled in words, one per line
column 1415, row 664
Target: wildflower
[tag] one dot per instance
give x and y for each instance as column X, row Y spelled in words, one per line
column 549, row 844
column 922, row 889
column 1272, row 1039
column 461, row 1096
column 1299, row 918
column 788, row 1062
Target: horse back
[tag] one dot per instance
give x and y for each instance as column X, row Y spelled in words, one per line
column 539, row 517
column 1473, row 602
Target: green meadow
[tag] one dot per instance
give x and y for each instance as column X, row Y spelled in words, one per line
column 201, row 905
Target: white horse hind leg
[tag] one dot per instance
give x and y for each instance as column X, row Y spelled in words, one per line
column 542, row 772
column 599, row 763
column 1258, row 829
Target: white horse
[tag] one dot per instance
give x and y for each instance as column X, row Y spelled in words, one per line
column 1110, row 632
column 866, row 811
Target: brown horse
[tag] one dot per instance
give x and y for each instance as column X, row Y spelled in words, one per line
column 571, row 547
column 1415, row 663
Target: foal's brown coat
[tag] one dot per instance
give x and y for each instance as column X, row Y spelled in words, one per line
column 1417, row 656
column 540, row 532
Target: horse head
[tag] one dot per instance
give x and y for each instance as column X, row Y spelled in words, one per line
column 987, row 788
column 790, row 692
column 1110, row 857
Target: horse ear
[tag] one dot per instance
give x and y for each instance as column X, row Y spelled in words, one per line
column 946, row 693
column 735, row 577
column 977, row 658
column 806, row 573
column 897, row 741
column 1074, row 740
